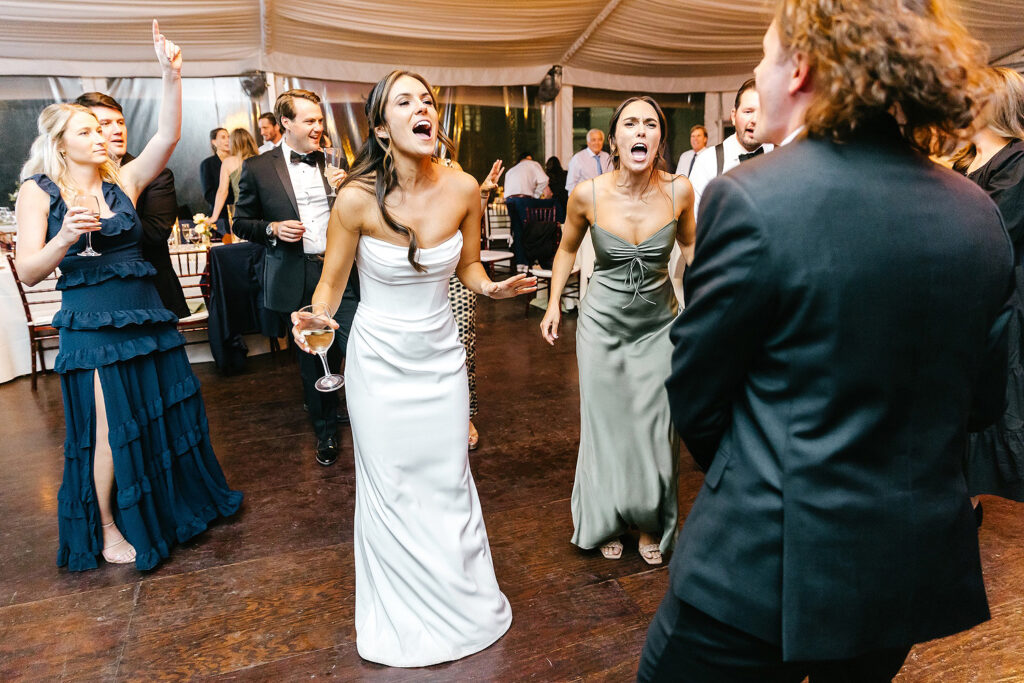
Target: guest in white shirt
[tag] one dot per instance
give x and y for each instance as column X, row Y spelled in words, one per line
column 284, row 201
column 589, row 162
column 698, row 143
column 270, row 131
column 524, row 184
column 734, row 149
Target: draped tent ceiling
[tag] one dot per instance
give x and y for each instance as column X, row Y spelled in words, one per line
column 652, row 45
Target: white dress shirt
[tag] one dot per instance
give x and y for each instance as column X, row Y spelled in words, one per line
column 527, row 177
column 685, row 159
column 268, row 145
column 584, row 166
column 705, row 169
column 311, row 196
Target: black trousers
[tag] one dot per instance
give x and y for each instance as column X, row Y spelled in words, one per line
column 323, row 406
column 517, row 207
column 687, row 645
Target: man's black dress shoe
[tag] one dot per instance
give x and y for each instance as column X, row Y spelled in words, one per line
column 327, row 451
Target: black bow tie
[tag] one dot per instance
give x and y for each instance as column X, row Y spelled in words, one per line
column 312, row 158
column 748, row 157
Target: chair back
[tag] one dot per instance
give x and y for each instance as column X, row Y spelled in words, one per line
column 497, row 225
column 41, row 300
column 192, row 266
column 540, row 214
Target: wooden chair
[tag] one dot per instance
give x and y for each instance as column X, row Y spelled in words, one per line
column 497, row 227
column 490, row 257
column 40, row 303
column 192, row 265
column 571, row 290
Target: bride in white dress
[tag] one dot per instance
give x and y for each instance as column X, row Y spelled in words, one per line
column 425, row 586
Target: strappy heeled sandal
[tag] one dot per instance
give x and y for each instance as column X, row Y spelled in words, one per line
column 122, row 557
column 651, row 553
column 612, row 550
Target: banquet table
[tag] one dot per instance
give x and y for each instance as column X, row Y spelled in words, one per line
column 233, row 272
column 236, row 303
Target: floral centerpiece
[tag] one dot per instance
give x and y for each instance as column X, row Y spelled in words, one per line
column 203, row 227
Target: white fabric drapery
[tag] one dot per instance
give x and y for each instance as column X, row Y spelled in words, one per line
column 649, row 45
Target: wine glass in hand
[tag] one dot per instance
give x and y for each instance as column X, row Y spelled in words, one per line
column 313, row 323
column 335, row 174
column 92, row 205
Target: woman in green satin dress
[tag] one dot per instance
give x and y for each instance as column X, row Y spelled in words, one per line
column 626, row 474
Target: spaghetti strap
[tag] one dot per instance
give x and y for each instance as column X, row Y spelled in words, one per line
column 672, row 191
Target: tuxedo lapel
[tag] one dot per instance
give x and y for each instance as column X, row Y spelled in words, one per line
column 281, row 166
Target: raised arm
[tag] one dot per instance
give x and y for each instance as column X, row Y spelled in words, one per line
column 578, row 217
column 138, row 174
column 37, row 258
column 222, row 188
column 490, row 182
column 470, row 271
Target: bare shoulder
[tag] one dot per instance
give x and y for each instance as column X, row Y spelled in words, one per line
column 680, row 184
column 356, row 205
column 30, row 195
column 460, row 181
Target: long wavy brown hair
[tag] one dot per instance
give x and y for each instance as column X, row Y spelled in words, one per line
column 911, row 58
column 374, row 166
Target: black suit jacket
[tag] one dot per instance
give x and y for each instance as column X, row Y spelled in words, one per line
column 157, row 207
column 209, row 179
column 845, row 325
column 265, row 195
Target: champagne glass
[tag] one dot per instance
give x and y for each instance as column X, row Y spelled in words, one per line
column 88, row 201
column 333, row 157
column 319, row 335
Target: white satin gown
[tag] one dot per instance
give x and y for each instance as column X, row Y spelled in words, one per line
column 425, row 586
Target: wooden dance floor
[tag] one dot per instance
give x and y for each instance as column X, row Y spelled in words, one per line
column 268, row 594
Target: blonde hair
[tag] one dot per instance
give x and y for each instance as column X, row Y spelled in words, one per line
column 870, row 57
column 46, row 157
column 1005, row 113
column 243, row 144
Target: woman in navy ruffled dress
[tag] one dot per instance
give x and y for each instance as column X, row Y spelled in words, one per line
column 139, row 472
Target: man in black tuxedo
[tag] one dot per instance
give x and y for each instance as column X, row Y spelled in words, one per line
column 845, row 327
column 157, row 205
column 284, row 201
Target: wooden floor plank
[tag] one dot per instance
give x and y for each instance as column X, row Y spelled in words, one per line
column 268, row 594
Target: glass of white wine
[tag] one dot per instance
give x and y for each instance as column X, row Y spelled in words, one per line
column 319, row 335
column 333, row 157
column 88, row 201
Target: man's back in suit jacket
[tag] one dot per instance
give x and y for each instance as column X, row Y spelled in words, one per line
column 844, row 324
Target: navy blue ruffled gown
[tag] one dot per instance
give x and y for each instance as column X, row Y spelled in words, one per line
column 168, row 483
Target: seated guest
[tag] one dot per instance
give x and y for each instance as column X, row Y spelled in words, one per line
column 553, row 169
column 524, row 182
column 157, row 205
column 845, row 327
column 270, row 131
column 209, row 169
column 243, row 146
